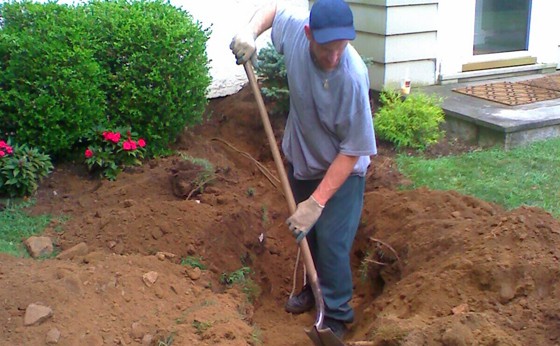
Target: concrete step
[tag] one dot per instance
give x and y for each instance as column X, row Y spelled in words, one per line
column 487, row 123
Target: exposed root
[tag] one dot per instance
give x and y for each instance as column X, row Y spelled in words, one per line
column 271, row 177
column 388, row 247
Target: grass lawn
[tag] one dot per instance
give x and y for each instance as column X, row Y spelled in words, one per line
column 16, row 225
column 526, row 175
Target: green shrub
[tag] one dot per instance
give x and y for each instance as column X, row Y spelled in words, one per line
column 21, row 169
column 49, row 82
column 157, row 66
column 64, row 69
column 272, row 71
column 411, row 122
column 109, row 152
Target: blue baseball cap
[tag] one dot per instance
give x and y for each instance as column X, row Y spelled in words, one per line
column 331, row 20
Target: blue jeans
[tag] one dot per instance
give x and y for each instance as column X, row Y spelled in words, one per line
column 330, row 241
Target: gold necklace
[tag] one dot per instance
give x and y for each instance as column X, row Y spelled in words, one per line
column 326, row 83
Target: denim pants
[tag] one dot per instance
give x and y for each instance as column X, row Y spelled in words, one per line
column 330, row 241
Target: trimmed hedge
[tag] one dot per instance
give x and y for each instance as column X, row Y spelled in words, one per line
column 65, row 69
column 50, row 83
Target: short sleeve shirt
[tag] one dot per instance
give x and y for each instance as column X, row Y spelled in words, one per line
column 330, row 112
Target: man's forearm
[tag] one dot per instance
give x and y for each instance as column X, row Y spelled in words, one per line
column 339, row 170
column 262, row 19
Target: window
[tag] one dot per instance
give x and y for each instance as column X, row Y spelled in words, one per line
column 501, row 26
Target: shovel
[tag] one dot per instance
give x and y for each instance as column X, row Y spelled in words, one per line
column 319, row 336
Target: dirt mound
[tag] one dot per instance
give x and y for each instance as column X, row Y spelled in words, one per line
column 458, row 271
column 431, row 267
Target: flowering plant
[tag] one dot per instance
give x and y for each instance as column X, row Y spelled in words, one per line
column 5, row 149
column 21, row 169
column 110, row 151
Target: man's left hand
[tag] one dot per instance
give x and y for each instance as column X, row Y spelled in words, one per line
column 304, row 218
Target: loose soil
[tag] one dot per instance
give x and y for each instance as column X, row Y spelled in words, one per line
column 430, row 267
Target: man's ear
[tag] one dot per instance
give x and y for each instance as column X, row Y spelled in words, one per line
column 307, row 30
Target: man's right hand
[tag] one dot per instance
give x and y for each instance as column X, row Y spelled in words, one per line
column 244, row 47
column 304, row 218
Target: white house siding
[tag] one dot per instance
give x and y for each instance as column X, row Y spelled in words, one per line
column 400, row 36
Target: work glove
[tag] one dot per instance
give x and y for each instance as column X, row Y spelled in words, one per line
column 304, row 218
column 244, row 47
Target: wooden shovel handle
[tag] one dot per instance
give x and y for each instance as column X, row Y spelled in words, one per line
column 304, row 246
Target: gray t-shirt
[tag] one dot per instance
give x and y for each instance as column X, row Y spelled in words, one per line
column 329, row 111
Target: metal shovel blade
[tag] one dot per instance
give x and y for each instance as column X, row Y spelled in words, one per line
column 323, row 337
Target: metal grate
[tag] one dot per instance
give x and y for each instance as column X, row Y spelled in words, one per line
column 516, row 93
column 551, row 82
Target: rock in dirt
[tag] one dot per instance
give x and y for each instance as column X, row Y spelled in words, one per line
column 137, row 330
column 53, row 336
column 460, row 309
column 150, row 278
column 127, row 203
column 457, row 335
column 194, row 273
column 75, row 251
column 162, row 255
column 507, row 293
column 147, row 340
column 39, row 246
column 36, row 314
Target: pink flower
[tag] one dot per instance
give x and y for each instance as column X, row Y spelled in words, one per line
column 141, row 142
column 5, row 149
column 88, row 153
column 129, row 145
column 114, row 137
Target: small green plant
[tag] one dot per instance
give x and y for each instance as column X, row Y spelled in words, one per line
column 412, row 122
column 207, row 165
column 256, row 337
column 204, row 176
column 251, row 192
column 238, row 276
column 364, row 266
column 109, row 152
column 252, row 290
column 272, row 70
column 21, row 169
column 241, row 277
column 194, row 262
column 166, row 340
column 264, row 216
column 200, row 326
